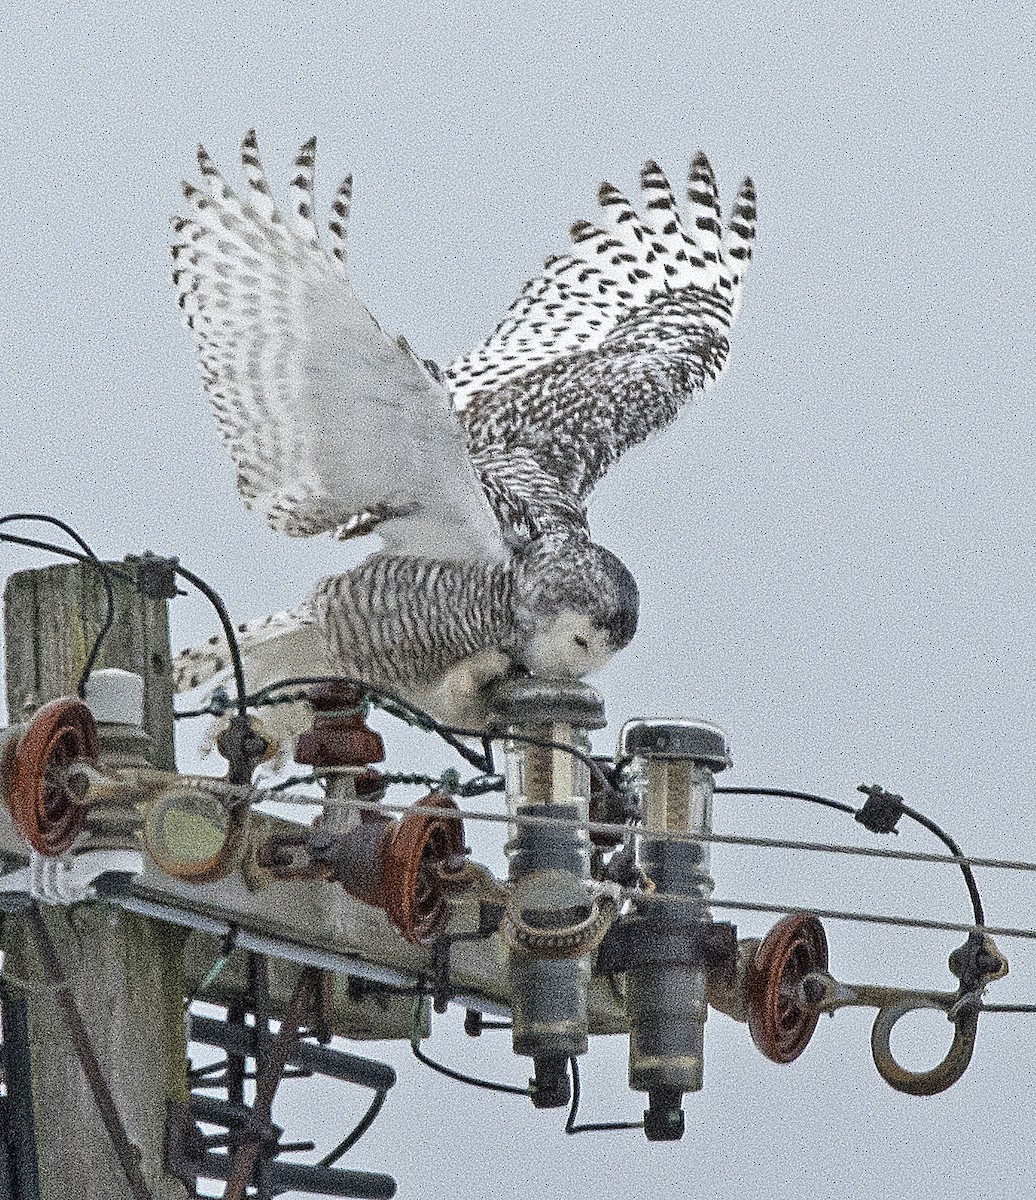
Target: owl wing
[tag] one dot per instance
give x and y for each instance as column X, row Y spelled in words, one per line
column 604, row 347
column 332, row 425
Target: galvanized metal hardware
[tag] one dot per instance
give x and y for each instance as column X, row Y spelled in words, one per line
column 781, row 985
column 669, row 765
column 977, row 964
column 535, row 930
column 389, row 864
column 675, row 739
column 546, row 750
column 245, row 744
column 248, row 1150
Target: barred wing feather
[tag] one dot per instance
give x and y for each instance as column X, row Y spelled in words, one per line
column 604, row 347
column 332, row 425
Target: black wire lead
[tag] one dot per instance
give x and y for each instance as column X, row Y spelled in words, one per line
column 459, row 1076
column 786, row 794
column 106, row 570
column 358, row 1130
column 216, row 601
column 591, row 1126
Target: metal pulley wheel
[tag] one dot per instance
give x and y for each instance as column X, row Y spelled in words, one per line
column 414, row 895
column 780, row 1021
column 34, row 781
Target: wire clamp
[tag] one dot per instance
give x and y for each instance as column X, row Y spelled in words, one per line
column 156, row 576
column 881, row 810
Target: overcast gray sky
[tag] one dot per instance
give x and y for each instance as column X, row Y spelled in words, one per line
column 834, row 550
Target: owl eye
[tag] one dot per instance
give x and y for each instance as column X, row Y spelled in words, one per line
column 581, row 642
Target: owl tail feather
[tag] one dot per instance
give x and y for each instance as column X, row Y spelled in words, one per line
column 276, row 647
column 281, row 646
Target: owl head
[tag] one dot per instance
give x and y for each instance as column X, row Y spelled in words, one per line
column 575, row 606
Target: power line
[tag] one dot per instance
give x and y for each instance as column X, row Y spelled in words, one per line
column 834, row 914
column 611, row 827
column 727, row 839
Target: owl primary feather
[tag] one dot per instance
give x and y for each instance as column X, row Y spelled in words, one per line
column 476, row 477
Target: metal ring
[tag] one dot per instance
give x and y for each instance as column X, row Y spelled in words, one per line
column 43, row 810
column 195, row 803
column 939, row 1078
column 574, row 941
column 780, row 1022
column 414, row 895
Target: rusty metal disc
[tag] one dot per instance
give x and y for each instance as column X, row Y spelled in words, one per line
column 780, row 1021
column 44, row 811
column 414, row 896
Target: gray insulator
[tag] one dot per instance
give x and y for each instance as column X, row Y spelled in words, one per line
column 548, row 869
column 676, row 739
column 533, row 700
column 666, row 1000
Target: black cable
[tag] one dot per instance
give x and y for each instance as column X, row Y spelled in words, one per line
column 234, row 649
column 592, row 1126
column 487, row 1084
column 383, row 696
column 786, row 794
column 358, row 1130
column 449, row 733
column 459, row 1076
column 105, row 569
column 35, row 544
column 951, row 845
column 912, row 813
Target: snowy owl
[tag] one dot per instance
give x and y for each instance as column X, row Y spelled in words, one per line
column 476, row 477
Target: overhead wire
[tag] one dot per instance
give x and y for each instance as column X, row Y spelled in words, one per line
column 673, row 835
column 233, row 646
column 903, row 808
column 105, row 571
column 722, row 839
column 357, row 1131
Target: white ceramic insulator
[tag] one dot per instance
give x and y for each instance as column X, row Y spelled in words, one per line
column 116, row 697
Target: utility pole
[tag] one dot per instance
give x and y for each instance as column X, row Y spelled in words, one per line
column 123, row 973
column 349, row 925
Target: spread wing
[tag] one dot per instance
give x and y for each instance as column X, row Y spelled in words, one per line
column 332, row 425
column 604, row 347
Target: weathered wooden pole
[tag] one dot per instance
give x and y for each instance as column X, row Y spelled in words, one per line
column 125, row 973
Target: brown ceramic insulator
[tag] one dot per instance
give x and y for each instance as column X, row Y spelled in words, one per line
column 780, row 1021
column 415, row 899
column 44, row 812
column 339, row 735
column 369, row 785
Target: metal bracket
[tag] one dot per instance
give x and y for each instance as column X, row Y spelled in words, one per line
column 639, row 941
column 977, row 963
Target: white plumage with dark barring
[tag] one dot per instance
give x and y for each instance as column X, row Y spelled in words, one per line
column 475, row 477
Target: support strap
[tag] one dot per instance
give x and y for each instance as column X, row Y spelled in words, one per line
column 266, row 1084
